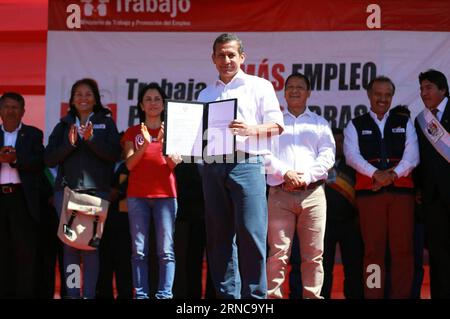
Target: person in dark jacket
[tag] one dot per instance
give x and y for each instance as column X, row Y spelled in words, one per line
column 21, row 160
column 115, row 248
column 433, row 127
column 85, row 144
column 50, row 247
column 342, row 226
column 190, row 235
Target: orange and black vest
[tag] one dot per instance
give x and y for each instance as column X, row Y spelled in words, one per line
column 383, row 153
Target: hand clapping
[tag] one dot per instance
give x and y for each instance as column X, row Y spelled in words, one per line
column 8, row 154
column 73, row 134
column 145, row 134
column 85, row 131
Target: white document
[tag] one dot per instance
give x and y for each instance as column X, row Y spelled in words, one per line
column 183, row 128
column 220, row 141
column 189, row 132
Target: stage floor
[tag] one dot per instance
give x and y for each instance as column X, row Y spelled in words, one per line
column 338, row 282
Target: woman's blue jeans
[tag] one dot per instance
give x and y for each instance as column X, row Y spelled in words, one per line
column 163, row 211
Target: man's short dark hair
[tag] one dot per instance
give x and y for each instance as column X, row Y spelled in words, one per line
column 381, row 78
column 300, row 76
column 13, row 96
column 436, row 77
column 228, row 37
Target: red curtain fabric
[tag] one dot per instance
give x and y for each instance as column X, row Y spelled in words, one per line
column 23, row 35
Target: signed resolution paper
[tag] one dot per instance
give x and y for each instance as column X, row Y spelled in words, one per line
column 183, row 128
column 199, row 129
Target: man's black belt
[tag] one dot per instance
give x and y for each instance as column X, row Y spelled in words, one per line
column 311, row 186
column 9, row 188
column 229, row 158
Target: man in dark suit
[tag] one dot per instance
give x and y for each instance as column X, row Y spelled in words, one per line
column 21, row 162
column 433, row 126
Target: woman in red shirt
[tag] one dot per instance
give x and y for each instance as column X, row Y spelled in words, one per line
column 151, row 194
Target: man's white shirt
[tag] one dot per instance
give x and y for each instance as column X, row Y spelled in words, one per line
column 257, row 104
column 9, row 174
column 306, row 145
column 354, row 158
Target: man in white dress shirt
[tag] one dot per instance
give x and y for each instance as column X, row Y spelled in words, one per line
column 297, row 172
column 235, row 191
column 382, row 147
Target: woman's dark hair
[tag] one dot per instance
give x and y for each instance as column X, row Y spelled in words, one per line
column 92, row 84
column 151, row 86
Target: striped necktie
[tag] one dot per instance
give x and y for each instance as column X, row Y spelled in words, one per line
column 435, row 112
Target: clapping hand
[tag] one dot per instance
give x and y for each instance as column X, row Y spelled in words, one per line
column 8, row 154
column 73, row 135
column 145, row 134
column 87, row 131
column 160, row 136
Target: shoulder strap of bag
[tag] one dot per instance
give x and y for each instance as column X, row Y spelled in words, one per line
column 95, row 241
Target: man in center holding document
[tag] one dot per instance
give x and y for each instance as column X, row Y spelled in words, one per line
column 234, row 187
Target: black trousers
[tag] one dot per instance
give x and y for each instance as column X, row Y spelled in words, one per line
column 18, row 247
column 190, row 242
column 50, row 248
column 347, row 234
column 437, row 226
column 115, row 258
